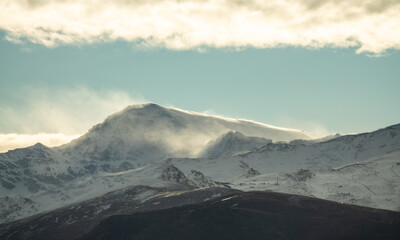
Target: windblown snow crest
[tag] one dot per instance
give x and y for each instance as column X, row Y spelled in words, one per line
column 168, row 132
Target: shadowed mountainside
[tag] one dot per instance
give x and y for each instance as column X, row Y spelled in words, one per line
column 254, row 215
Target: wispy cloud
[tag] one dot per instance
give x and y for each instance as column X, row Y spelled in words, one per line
column 370, row 25
column 62, row 110
column 55, row 116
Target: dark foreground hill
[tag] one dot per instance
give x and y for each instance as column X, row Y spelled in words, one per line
column 254, row 215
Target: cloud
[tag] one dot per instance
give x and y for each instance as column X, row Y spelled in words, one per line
column 55, row 116
column 370, row 25
column 13, row 141
column 64, row 110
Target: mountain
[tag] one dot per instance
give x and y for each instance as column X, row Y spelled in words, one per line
column 175, row 150
column 142, row 132
column 299, row 154
column 360, row 169
column 32, row 169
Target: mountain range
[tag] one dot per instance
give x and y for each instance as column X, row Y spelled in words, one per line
column 147, row 152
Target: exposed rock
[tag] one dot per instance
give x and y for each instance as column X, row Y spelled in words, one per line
column 197, row 179
column 173, row 174
column 252, row 172
column 302, row 175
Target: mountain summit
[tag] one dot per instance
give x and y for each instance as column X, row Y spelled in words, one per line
column 150, row 131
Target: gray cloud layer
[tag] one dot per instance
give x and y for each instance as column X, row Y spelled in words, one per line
column 370, row 25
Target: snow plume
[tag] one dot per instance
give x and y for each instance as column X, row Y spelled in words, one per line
column 185, row 142
column 369, row 25
column 313, row 128
column 153, row 129
column 55, row 116
column 178, row 133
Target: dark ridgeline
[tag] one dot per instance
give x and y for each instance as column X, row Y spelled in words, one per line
column 233, row 215
column 254, row 215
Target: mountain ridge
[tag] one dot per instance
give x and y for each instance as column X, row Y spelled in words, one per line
column 132, row 147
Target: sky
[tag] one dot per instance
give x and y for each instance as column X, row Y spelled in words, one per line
column 321, row 66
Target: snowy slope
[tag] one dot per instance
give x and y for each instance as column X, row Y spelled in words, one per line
column 32, row 169
column 137, row 145
column 373, row 183
column 281, row 157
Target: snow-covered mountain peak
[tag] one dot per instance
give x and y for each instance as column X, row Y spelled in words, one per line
column 143, row 115
column 38, row 145
column 158, row 116
column 142, row 111
column 30, row 156
column 148, row 132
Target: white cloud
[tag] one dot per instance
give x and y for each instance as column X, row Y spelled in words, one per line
column 55, row 116
column 370, row 25
column 13, row 141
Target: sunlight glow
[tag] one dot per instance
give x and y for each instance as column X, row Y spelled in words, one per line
column 190, row 24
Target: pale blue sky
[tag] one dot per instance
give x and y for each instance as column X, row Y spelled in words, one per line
column 330, row 88
column 324, row 66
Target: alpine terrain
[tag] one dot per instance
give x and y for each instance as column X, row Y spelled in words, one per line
column 150, row 172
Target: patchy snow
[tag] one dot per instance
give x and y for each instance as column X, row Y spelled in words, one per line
column 228, row 198
column 102, row 208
